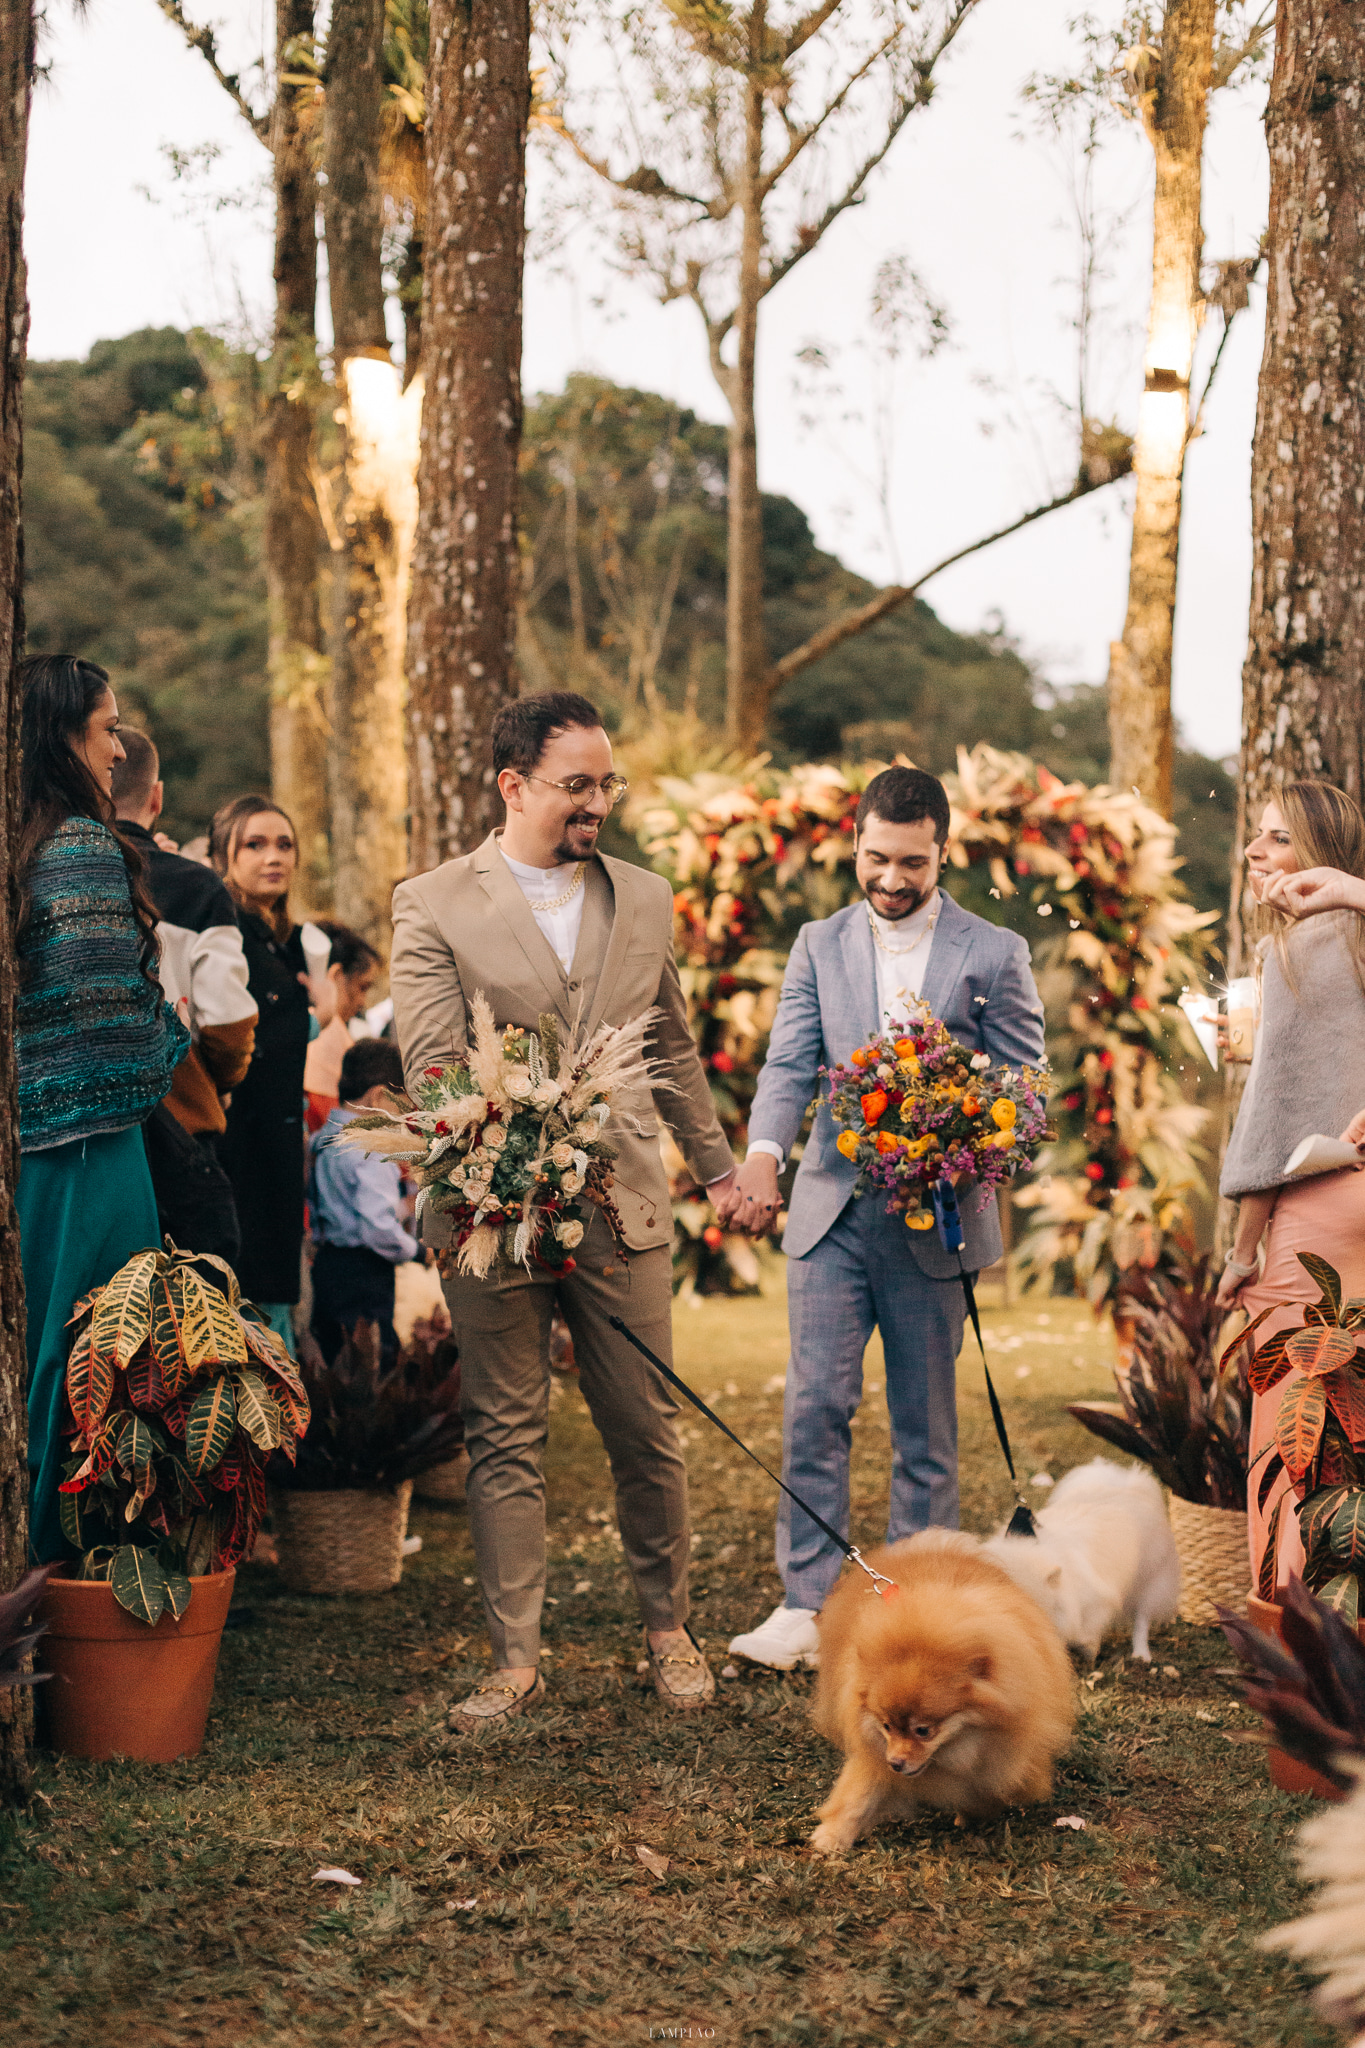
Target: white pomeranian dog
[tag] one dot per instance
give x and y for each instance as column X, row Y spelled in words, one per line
column 1103, row 1554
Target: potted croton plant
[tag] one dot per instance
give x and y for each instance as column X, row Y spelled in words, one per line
column 178, row 1393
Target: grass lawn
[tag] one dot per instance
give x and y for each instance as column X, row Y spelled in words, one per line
column 502, row 1897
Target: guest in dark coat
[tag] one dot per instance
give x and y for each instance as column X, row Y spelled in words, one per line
column 255, row 849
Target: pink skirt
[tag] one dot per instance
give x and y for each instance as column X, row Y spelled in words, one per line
column 1325, row 1215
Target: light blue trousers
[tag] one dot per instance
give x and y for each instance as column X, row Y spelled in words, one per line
column 862, row 1275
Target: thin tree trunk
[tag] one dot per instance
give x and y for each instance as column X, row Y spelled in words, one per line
column 369, row 571
column 746, row 657
column 1140, row 729
column 16, row 59
column 293, row 529
column 466, row 579
column 1303, row 712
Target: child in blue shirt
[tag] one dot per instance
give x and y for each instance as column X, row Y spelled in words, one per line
column 354, row 1209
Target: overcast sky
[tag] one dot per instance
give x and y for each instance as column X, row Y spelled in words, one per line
column 970, row 195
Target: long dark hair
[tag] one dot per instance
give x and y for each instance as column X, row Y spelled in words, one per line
column 224, row 834
column 60, row 694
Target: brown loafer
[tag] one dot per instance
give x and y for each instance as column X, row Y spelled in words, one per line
column 491, row 1703
column 682, row 1677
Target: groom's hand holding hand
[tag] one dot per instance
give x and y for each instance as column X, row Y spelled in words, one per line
column 752, row 1200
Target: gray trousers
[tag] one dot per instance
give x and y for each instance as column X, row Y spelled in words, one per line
column 502, row 1326
column 862, row 1275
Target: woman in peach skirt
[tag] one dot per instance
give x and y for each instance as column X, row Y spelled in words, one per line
column 1307, row 1078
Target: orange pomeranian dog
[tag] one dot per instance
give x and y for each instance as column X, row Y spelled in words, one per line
column 956, row 1691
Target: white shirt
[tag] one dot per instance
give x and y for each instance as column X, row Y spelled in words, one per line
column 540, row 886
column 900, row 977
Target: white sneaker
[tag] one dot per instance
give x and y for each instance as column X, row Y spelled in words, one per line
column 787, row 1638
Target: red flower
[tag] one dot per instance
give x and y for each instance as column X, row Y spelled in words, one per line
column 726, row 984
column 1104, row 1116
column 846, row 824
column 723, row 1062
column 1094, row 1171
column 432, row 1073
column 1021, row 867
column 1071, row 1102
column 779, row 847
column 713, row 1237
column 1078, row 833
column 1141, row 1003
column 874, row 1104
column 1106, row 1059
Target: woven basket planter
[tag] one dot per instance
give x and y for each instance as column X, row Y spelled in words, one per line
column 349, row 1542
column 1215, row 1563
column 443, row 1482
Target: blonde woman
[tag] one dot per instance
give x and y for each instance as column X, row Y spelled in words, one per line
column 1307, row 1077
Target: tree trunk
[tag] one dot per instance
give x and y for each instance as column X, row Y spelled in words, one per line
column 293, row 529
column 1302, row 708
column 1140, row 729
column 374, row 514
column 746, row 654
column 466, row 579
column 16, row 58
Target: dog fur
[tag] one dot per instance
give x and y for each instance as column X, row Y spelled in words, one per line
column 1103, row 1554
column 956, row 1691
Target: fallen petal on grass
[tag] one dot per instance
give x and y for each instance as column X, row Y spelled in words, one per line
column 655, row 1864
column 1071, row 1820
column 332, row 1876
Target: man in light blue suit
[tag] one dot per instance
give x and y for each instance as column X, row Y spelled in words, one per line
column 851, row 1267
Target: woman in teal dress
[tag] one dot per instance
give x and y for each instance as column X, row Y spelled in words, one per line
column 96, row 1041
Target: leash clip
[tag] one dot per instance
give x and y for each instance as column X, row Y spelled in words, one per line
column 879, row 1579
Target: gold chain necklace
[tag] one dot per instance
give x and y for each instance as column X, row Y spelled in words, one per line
column 558, row 902
column 881, row 944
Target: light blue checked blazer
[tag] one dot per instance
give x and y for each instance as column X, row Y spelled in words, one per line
column 978, row 981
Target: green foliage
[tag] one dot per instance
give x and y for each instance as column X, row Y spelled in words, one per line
column 170, row 1429
column 142, row 520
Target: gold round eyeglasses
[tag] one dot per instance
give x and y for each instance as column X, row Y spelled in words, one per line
column 581, row 787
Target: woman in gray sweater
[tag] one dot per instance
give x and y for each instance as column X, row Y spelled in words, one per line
column 1307, row 1077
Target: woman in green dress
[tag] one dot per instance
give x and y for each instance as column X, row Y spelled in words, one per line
column 96, row 1041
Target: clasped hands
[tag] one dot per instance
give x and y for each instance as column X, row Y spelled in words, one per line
column 749, row 1201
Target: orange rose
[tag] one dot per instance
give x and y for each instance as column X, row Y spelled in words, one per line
column 917, row 1220
column 970, row 1106
column 874, row 1103
column 859, row 1058
column 847, row 1143
column 905, row 1048
column 886, row 1143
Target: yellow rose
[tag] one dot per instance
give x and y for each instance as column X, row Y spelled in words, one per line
column 1003, row 1140
column 847, row 1142
column 918, row 1147
column 1004, row 1113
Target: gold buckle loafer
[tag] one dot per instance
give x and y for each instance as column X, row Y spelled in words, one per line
column 682, row 1677
column 492, row 1702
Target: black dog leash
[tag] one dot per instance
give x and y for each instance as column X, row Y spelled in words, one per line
column 880, row 1583
column 949, row 1219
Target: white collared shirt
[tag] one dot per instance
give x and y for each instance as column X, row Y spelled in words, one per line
column 900, row 977
column 901, row 972
column 540, row 886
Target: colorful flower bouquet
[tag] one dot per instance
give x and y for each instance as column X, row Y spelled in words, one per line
column 508, row 1140
column 917, row 1107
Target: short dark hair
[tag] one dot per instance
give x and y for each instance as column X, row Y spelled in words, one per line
column 135, row 774
column 350, row 952
column 523, row 728
column 903, row 796
column 370, row 1063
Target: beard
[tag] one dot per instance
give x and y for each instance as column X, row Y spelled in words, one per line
column 905, row 906
column 571, row 848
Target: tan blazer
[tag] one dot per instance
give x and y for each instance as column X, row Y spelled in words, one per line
column 466, row 926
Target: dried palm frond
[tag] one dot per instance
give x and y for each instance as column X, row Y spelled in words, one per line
column 1331, row 1853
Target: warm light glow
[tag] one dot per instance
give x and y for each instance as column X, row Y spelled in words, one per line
column 1162, row 419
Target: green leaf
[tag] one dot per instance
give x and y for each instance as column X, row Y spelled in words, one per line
column 1265, row 1578
column 1348, row 1530
column 1343, row 1593
column 123, row 1314
column 135, row 1446
column 1317, row 1513
column 138, row 1583
column 89, row 1384
column 211, row 1332
column 209, row 1426
column 178, row 1592
column 234, row 1292
column 1328, row 1279
column 168, row 1314
column 257, row 1411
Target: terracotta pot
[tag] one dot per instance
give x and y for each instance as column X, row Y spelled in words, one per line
column 123, row 1689
column 1285, row 1771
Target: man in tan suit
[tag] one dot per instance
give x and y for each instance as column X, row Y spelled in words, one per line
column 538, row 920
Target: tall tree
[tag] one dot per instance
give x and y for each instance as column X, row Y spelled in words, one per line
column 1303, row 708
column 16, row 72
column 293, row 528
column 1171, row 86
column 376, row 505
column 747, row 133
column 293, row 547
column 466, row 574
